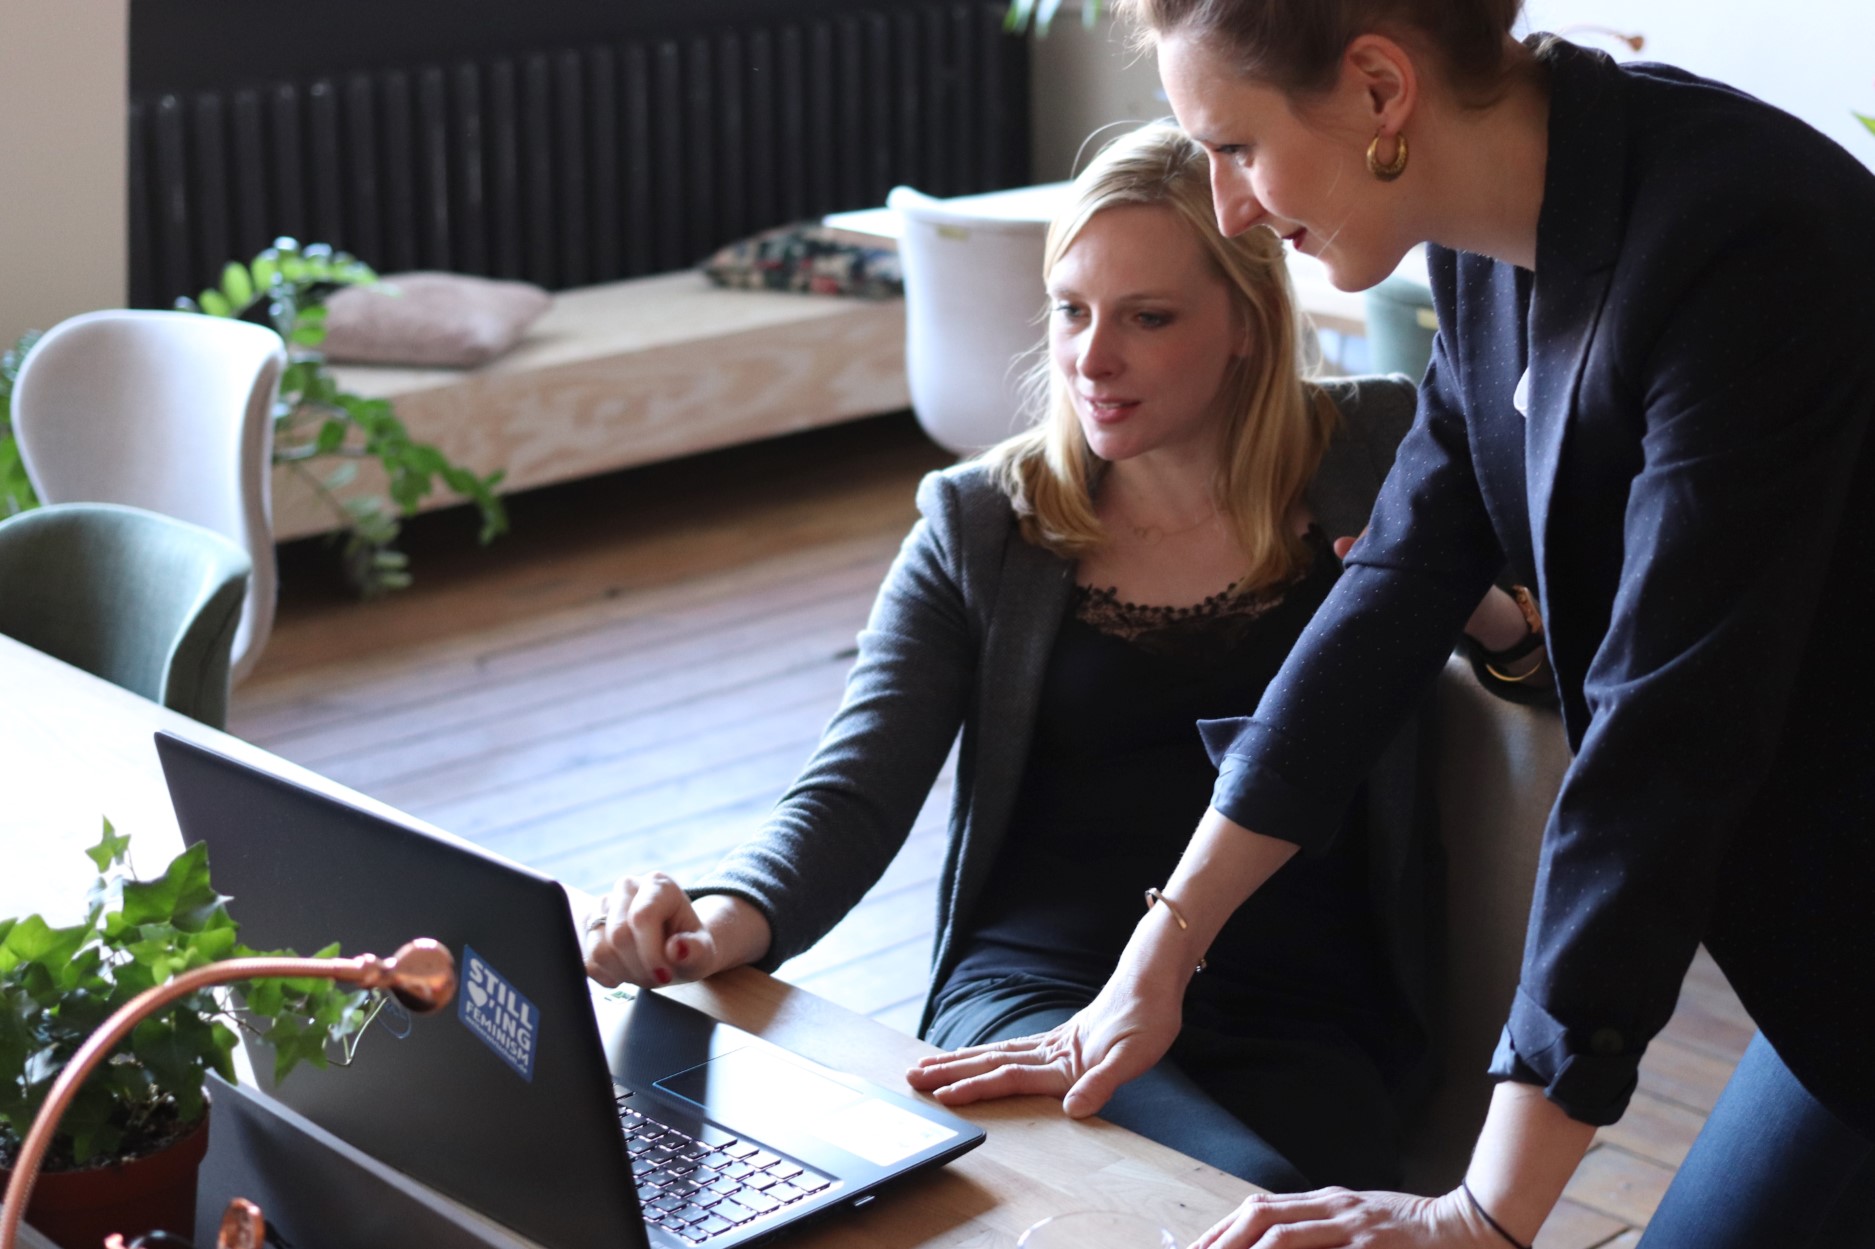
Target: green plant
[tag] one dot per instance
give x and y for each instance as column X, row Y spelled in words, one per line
column 58, row 984
column 285, row 287
column 1867, row 121
column 1040, row 14
column 16, row 492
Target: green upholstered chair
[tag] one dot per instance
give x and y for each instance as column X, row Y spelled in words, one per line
column 146, row 601
column 1400, row 327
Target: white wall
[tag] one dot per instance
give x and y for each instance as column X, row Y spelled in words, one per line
column 64, row 70
column 1815, row 58
column 1081, row 80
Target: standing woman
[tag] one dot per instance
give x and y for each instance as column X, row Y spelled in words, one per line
column 1651, row 396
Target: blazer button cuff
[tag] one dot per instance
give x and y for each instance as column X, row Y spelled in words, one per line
column 1256, row 797
column 1592, row 1082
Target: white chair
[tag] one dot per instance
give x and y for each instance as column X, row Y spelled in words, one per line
column 973, row 305
column 167, row 411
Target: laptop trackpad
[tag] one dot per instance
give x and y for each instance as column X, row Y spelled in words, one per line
column 764, row 1094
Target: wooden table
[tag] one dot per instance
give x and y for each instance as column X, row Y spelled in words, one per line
column 73, row 748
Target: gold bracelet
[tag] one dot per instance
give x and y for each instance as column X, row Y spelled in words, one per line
column 1511, row 680
column 1153, row 897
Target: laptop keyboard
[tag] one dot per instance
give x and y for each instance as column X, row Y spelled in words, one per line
column 701, row 1186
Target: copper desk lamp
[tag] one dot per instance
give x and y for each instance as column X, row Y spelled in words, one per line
column 421, row 974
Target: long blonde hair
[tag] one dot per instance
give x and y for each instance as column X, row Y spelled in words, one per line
column 1276, row 425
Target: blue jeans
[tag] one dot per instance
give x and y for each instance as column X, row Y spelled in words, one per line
column 1772, row 1167
column 1295, row 1106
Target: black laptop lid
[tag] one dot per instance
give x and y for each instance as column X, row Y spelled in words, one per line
column 502, row 1100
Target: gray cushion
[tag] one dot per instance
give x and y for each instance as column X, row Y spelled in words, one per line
column 431, row 320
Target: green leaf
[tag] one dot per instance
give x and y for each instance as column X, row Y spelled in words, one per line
column 1866, row 121
column 181, row 895
column 237, row 284
column 111, row 849
column 331, row 436
column 32, row 940
column 216, row 304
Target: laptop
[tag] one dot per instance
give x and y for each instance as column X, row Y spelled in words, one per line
column 577, row 1116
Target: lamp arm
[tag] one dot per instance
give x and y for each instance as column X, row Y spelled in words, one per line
column 422, row 974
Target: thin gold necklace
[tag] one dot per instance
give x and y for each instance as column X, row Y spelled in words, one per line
column 1145, row 533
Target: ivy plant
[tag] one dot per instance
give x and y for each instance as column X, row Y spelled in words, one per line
column 57, row 985
column 16, row 492
column 315, row 421
column 1040, row 15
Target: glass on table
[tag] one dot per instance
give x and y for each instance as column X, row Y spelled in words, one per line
column 1097, row 1229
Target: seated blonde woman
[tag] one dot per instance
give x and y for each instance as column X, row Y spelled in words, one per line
column 1075, row 601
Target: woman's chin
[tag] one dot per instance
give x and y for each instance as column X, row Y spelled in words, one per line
column 1109, row 444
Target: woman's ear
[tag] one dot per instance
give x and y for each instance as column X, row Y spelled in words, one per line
column 1386, row 78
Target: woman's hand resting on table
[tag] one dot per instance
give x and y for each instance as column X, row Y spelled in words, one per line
column 648, row 932
column 1334, row 1218
column 1119, row 1035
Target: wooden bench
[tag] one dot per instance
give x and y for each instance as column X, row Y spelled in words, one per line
column 634, row 372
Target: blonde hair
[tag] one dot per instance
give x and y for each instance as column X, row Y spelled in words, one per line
column 1275, row 424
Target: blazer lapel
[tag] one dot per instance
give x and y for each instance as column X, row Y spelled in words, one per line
column 1031, row 598
column 1578, row 238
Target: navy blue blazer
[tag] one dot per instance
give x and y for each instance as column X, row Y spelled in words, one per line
column 1679, row 480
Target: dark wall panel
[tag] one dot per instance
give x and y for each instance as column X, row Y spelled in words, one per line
column 563, row 141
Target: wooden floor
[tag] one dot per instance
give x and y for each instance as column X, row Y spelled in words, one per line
column 630, row 679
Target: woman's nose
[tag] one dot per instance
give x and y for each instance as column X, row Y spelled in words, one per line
column 1236, row 206
column 1098, row 356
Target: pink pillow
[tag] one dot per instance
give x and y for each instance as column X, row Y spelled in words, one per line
column 446, row 320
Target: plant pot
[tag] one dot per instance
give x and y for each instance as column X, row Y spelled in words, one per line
column 78, row 1209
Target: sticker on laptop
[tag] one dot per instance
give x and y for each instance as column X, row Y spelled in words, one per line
column 499, row 1014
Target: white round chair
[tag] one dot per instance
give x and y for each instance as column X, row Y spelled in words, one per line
column 167, row 411
column 973, row 314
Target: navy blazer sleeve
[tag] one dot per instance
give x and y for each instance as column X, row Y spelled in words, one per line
column 1367, row 657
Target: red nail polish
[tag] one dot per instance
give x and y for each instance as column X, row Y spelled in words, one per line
column 663, row 975
column 683, row 951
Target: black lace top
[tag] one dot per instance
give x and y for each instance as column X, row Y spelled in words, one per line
column 1115, row 782
column 1208, row 629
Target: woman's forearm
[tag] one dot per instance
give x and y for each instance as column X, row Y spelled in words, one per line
column 739, row 932
column 1526, row 1153
column 1223, row 864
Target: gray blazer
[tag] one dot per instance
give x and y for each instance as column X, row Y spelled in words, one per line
column 960, row 636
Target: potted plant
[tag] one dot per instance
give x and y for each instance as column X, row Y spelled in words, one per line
column 126, row 1152
column 285, row 287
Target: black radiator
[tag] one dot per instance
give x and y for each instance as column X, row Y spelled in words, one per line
column 592, row 157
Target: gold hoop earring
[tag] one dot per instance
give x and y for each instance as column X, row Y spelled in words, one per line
column 1392, row 169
